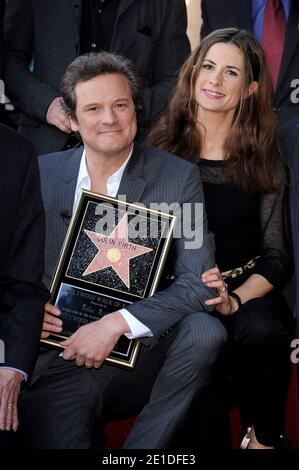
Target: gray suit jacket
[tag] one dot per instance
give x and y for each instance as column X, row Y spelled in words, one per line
column 152, row 34
column 151, row 176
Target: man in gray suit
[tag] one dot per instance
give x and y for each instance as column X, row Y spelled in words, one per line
column 43, row 37
column 181, row 341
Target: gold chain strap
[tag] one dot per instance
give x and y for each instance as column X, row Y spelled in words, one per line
column 238, row 271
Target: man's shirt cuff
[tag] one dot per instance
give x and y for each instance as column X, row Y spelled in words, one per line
column 25, row 376
column 138, row 329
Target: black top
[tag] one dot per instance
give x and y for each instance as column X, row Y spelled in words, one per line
column 247, row 224
column 97, row 24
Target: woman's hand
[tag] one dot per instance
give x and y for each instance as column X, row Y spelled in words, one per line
column 225, row 304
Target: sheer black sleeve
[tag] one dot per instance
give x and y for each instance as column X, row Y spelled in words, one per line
column 276, row 262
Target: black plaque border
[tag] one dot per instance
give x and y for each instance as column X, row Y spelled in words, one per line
column 60, row 277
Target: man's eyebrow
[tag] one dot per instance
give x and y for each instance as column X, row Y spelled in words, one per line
column 122, row 99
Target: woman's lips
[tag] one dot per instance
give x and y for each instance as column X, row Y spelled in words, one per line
column 214, row 95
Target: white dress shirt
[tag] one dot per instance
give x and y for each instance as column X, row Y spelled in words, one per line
column 137, row 328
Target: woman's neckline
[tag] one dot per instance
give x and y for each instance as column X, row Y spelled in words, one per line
column 212, row 159
column 209, row 162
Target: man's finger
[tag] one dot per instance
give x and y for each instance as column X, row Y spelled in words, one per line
column 44, row 335
column 49, row 308
column 63, row 127
column 2, row 416
column 51, row 328
column 15, row 419
column 48, row 318
column 69, row 353
column 9, row 416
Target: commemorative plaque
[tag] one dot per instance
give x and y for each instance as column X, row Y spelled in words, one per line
column 112, row 256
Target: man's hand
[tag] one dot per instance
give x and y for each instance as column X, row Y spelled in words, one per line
column 92, row 343
column 57, row 117
column 10, row 384
column 51, row 323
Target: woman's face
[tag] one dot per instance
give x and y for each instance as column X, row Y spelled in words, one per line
column 218, row 87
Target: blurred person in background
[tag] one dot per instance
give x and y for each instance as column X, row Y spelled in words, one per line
column 43, row 37
column 22, row 295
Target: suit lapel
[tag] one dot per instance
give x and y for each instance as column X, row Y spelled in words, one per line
column 132, row 183
column 76, row 10
column 118, row 41
column 67, row 174
column 123, row 6
column 291, row 41
column 243, row 15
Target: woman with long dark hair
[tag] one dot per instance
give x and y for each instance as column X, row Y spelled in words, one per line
column 220, row 117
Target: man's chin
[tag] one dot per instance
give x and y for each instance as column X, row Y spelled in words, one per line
column 113, row 150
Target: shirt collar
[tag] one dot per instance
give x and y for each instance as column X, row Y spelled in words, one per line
column 84, row 182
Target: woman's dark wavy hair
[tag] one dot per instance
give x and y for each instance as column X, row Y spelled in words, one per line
column 252, row 146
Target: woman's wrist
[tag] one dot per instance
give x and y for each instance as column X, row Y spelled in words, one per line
column 234, row 305
column 235, row 301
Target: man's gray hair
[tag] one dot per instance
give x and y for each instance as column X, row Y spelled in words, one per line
column 88, row 66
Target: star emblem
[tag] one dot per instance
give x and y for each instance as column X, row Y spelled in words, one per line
column 114, row 251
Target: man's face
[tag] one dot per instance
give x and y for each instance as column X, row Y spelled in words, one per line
column 105, row 115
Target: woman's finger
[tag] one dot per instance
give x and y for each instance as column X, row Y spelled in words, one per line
column 215, row 301
column 214, row 270
column 216, row 285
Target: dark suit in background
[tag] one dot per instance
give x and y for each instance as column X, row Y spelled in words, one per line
column 290, row 136
column 2, row 7
column 2, row 111
column 152, row 34
column 235, row 13
column 22, row 297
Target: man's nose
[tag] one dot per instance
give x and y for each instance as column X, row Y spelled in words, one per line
column 108, row 116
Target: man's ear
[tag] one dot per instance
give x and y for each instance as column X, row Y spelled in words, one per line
column 74, row 124
column 252, row 88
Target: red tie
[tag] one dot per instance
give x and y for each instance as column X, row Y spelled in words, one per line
column 273, row 37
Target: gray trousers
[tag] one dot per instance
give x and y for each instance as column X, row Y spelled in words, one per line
column 59, row 410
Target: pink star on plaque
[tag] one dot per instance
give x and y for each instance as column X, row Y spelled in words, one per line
column 115, row 251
